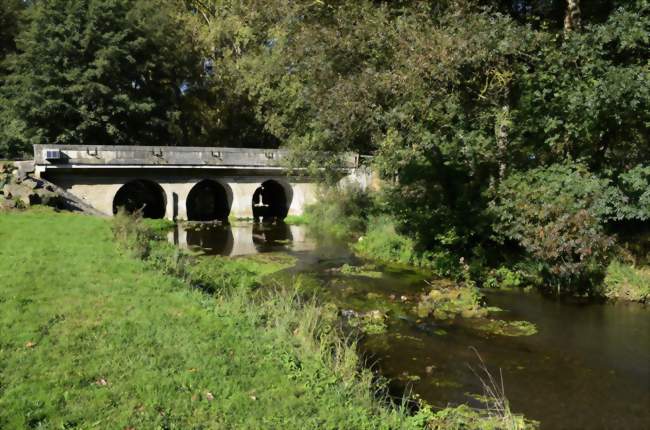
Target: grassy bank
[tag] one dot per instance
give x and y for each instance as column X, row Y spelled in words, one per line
column 627, row 282
column 90, row 337
column 96, row 335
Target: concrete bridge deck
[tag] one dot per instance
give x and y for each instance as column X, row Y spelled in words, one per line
column 194, row 183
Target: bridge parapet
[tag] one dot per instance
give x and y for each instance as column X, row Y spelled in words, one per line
column 89, row 156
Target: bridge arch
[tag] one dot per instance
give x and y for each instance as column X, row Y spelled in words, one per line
column 271, row 201
column 208, row 200
column 141, row 194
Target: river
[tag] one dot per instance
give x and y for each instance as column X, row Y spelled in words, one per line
column 587, row 367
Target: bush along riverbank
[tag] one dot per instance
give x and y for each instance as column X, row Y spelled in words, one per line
column 149, row 336
column 555, row 255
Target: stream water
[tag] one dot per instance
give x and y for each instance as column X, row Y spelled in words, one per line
column 587, row 367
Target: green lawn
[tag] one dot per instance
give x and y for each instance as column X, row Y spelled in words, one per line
column 91, row 338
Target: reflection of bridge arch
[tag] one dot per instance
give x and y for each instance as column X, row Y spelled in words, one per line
column 271, row 237
column 272, row 200
column 213, row 240
column 207, row 201
column 141, row 194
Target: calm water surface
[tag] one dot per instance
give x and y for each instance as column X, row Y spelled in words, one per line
column 588, row 367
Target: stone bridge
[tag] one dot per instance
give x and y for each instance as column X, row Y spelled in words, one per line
column 187, row 183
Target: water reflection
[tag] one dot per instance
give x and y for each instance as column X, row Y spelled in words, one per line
column 241, row 238
column 213, row 240
column 272, row 237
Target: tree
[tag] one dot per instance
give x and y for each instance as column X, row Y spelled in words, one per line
column 10, row 20
column 557, row 215
column 101, row 72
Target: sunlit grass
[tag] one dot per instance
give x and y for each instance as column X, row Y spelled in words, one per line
column 90, row 337
column 627, row 282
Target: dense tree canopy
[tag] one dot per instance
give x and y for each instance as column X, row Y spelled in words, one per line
column 453, row 98
column 106, row 72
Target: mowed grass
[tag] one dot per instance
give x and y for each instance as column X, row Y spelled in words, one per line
column 92, row 338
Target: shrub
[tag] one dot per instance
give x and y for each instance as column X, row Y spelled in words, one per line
column 504, row 277
column 556, row 214
column 635, row 186
column 341, row 213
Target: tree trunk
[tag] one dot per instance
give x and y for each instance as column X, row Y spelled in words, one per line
column 502, row 129
column 572, row 17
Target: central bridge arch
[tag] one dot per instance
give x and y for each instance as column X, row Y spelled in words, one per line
column 208, row 200
column 141, row 194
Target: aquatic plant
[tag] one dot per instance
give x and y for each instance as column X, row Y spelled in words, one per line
column 367, row 270
column 450, row 301
column 507, row 328
column 372, row 322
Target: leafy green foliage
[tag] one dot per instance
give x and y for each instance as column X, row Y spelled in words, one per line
column 556, row 215
column 635, row 185
column 106, row 72
column 10, row 22
column 504, row 277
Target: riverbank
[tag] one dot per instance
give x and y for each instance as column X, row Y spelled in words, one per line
column 92, row 336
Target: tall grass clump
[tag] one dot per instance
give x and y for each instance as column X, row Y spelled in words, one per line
column 131, row 233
